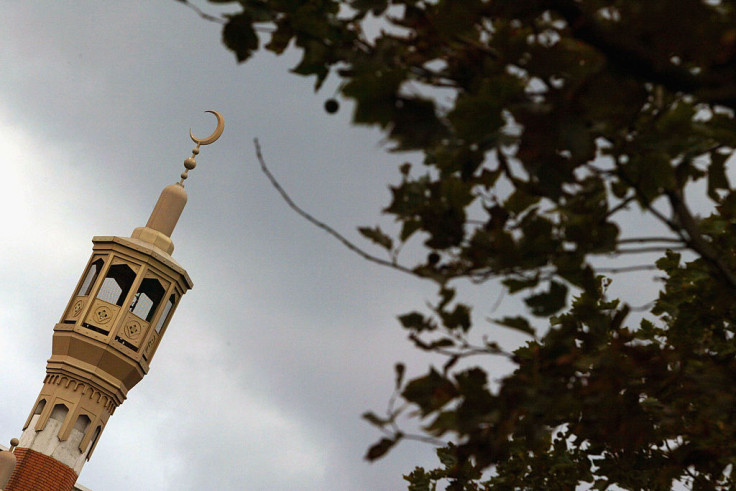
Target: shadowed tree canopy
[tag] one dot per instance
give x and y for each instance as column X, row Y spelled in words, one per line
column 540, row 124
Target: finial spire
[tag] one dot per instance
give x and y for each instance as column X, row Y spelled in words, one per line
column 173, row 198
column 190, row 163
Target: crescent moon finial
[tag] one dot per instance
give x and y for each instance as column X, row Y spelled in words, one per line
column 214, row 136
column 191, row 163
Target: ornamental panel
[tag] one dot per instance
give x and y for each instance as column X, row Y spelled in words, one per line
column 101, row 316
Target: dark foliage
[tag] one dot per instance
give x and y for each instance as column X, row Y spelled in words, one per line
column 541, row 122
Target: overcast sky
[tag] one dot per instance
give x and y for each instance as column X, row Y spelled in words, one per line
column 287, row 337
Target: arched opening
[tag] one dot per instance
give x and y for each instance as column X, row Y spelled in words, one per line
column 147, row 299
column 59, row 412
column 117, row 284
column 82, row 423
column 93, row 442
column 39, row 407
column 89, row 278
column 165, row 314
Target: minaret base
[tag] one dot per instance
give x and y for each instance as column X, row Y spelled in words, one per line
column 38, row 472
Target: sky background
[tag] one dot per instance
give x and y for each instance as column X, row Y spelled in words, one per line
column 287, row 337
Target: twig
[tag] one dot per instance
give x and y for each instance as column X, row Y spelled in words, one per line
column 696, row 241
column 201, row 13
column 627, row 269
column 642, row 250
column 645, row 202
column 424, row 439
column 621, row 206
column 642, row 240
column 643, row 308
column 323, row 225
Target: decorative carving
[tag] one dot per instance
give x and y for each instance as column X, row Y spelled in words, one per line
column 149, row 347
column 85, row 388
column 132, row 329
column 77, row 308
column 103, row 315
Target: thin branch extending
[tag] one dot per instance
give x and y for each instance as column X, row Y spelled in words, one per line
column 641, row 240
column 643, row 308
column 696, row 241
column 643, row 250
column 624, row 205
column 323, row 225
column 201, row 13
column 627, row 269
column 636, row 59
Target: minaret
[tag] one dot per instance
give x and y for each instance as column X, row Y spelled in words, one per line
column 104, row 343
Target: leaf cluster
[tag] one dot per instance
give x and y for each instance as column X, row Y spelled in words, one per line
column 540, row 122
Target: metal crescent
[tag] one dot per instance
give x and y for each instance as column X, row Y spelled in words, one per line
column 214, row 136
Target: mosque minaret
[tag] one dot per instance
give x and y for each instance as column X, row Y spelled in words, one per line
column 102, row 345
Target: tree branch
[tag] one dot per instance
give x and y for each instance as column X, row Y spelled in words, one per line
column 636, row 59
column 621, row 206
column 627, row 269
column 323, row 225
column 201, row 13
column 696, row 241
column 641, row 240
column 642, row 250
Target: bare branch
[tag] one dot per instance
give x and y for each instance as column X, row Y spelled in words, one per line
column 323, row 225
column 463, row 350
column 424, row 439
column 645, row 202
column 643, row 250
column 642, row 308
column 621, row 206
column 201, row 13
column 641, row 240
column 696, row 241
column 627, row 269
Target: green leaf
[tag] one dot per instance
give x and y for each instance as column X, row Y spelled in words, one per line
column 458, row 318
column 549, row 302
column 515, row 284
column 448, row 455
column 376, row 235
column 258, row 10
column 419, row 480
column 408, row 229
column 415, row 124
column 239, row 36
column 477, row 116
column 518, row 323
column 717, row 175
column 375, row 6
column 519, row 201
column 375, row 420
column 280, row 38
column 670, row 261
column 442, row 343
column 380, row 449
column 430, row 392
column 314, row 61
column 416, row 322
column 375, row 92
column 400, row 369
column 446, row 295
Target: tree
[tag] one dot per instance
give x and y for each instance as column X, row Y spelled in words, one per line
column 541, row 122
